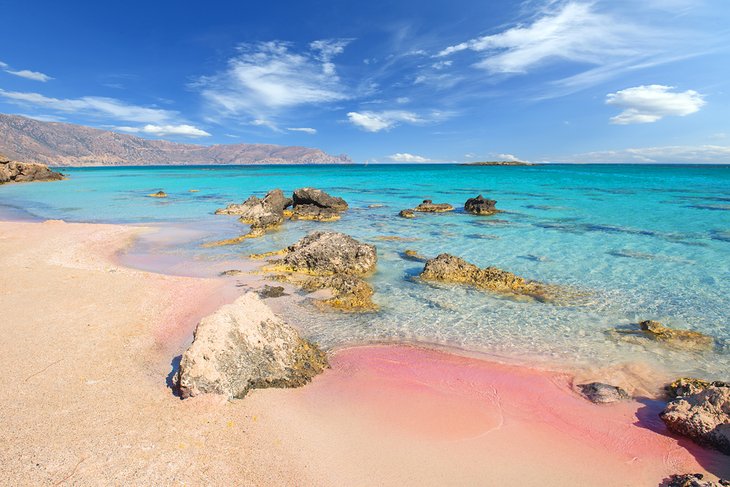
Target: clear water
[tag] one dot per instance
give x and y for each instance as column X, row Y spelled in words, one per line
column 648, row 242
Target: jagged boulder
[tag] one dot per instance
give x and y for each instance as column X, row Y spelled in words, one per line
column 25, row 172
column 327, row 253
column 687, row 386
column 450, row 269
column 244, row 346
column 480, row 206
column 317, row 197
column 704, row 417
column 429, row 206
column 600, row 393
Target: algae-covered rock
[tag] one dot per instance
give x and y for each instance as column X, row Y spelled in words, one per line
column 429, row 206
column 349, row 293
column 407, row 214
column 327, row 253
column 244, row 346
column 686, row 339
column 450, row 269
column 687, row 386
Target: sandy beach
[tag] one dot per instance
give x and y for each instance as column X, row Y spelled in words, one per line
column 88, row 345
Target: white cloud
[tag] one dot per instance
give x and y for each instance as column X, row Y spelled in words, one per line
column 306, row 130
column 266, row 77
column 92, row 105
column 34, row 75
column 442, row 64
column 650, row 103
column 162, row 130
column 260, row 122
column 406, row 157
column 509, row 158
column 3, row 65
column 572, row 32
column 707, row 154
column 372, row 121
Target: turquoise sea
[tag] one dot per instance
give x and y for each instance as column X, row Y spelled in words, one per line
column 645, row 242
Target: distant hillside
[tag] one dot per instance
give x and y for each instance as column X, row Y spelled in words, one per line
column 64, row 144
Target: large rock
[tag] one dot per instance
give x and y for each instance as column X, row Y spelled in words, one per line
column 317, row 197
column 704, row 417
column 243, row 346
column 315, row 213
column 450, row 269
column 349, row 293
column 480, row 206
column 600, row 393
column 327, row 253
column 25, row 172
column 254, row 207
column 693, row 480
column 687, row 386
column 429, row 206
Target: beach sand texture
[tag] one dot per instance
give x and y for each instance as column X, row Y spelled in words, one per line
column 87, row 347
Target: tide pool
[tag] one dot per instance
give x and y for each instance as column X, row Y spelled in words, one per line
column 645, row 242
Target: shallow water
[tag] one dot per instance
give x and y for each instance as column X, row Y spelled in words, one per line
column 646, row 242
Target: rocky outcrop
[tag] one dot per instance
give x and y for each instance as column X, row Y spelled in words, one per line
column 407, row 214
column 450, row 269
column 349, row 293
column 652, row 331
column 327, row 253
column 314, row 213
column 429, row 206
column 687, row 386
column 332, row 261
column 704, row 417
column 600, row 393
column 159, row 194
column 693, row 480
column 317, row 197
column 25, row 172
column 244, row 346
column 268, row 291
column 481, row 206
column 261, row 214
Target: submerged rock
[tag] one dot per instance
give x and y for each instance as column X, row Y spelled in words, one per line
column 600, row 393
column 25, row 172
column 317, row 197
column 687, row 386
column 704, row 417
column 429, row 206
column 159, row 194
column 413, row 255
column 243, row 346
column 480, row 206
column 349, row 293
column 327, row 253
column 693, row 480
column 271, row 292
column 450, row 269
column 231, row 272
column 679, row 338
column 407, row 214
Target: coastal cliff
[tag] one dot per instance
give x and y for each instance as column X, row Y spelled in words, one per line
column 64, row 144
column 25, row 172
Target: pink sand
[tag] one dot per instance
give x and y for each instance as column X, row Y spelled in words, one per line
column 500, row 422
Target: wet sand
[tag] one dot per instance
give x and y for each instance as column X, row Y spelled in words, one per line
column 88, row 345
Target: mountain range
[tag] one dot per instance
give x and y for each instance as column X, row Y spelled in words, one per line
column 65, row 144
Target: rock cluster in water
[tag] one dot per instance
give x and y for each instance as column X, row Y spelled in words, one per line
column 267, row 213
column 450, row 269
column 25, row 172
column 244, row 346
column 704, row 417
column 600, row 393
column 332, row 261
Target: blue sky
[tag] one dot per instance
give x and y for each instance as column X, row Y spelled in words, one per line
column 411, row 81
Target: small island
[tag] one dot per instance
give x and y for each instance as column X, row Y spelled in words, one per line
column 498, row 163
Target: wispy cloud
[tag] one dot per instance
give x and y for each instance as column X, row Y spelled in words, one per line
column 268, row 77
column 509, row 158
column 650, row 103
column 372, row 121
column 306, row 130
column 681, row 154
column 25, row 73
column 164, row 130
column 406, row 157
